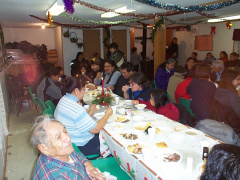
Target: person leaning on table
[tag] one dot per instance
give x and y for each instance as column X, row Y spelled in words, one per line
column 83, row 130
column 58, row 160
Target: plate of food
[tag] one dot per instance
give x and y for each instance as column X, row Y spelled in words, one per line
column 167, row 155
column 164, row 130
column 136, row 113
column 140, row 106
column 142, row 126
column 118, row 126
column 192, row 133
column 99, row 115
column 127, row 102
column 122, row 119
column 131, row 135
column 136, row 148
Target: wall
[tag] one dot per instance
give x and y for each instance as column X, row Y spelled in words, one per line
column 58, row 45
column 222, row 40
column 33, row 35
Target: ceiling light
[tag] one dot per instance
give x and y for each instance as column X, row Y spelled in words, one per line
column 56, row 9
column 231, row 17
column 43, row 26
column 215, row 20
column 109, row 15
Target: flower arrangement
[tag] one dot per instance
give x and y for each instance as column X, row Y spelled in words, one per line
column 103, row 99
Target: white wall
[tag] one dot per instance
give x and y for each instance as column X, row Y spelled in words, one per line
column 70, row 50
column 222, row 40
column 138, row 45
column 33, row 35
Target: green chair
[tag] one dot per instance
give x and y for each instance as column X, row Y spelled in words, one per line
column 92, row 156
column 50, row 105
column 169, row 98
column 33, row 96
column 41, row 103
column 154, row 84
column 109, row 165
column 186, row 103
column 48, row 111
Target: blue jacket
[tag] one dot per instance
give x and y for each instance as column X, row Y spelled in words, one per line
column 162, row 77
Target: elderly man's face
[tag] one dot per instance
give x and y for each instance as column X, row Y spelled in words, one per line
column 217, row 69
column 59, row 141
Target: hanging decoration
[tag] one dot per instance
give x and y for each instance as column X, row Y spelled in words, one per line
column 68, row 6
column 105, row 41
column 49, row 18
column 213, row 30
column 103, row 22
column 157, row 25
column 228, row 25
column 194, row 8
column 73, row 39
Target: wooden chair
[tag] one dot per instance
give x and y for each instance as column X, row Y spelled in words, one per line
column 186, row 103
column 34, row 99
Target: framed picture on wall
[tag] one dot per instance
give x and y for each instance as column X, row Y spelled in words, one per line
column 204, row 43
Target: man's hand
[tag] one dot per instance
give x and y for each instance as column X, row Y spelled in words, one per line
column 125, row 88
column 109, row 111
column 92, row 109
column 98, row 75
column 94, row 173
column 110, row 88
column 135, row 102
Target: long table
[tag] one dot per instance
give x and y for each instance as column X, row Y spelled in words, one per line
column 187, row 146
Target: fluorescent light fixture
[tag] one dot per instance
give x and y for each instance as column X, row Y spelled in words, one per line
column 55, row 9
column 125, row 9
column 232, row 17
column 109, row 15
column 215, row 20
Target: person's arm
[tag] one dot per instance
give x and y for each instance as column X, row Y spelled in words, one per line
column 160, row 78
column 101, row 123
column 54, row 91
column 88, row 78
column 114, row 79
column 92, row 109
column 125, row 93
column 97, row 80
column 92, row 172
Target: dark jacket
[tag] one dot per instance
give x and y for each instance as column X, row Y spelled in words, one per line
column 162, row 78
column 119, row 84
column 145, row 95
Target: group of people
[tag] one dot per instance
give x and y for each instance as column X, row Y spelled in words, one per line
column 73, row 123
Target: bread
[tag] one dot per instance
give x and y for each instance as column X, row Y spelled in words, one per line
column 121, row 118
column 180, row 127
column 97, row 107
column 162, row 145
column 158, row 131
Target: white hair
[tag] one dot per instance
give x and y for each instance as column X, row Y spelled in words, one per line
column 218, row 63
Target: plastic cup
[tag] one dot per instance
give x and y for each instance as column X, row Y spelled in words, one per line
column 90, row 94
column 128, row 111
column 114, row 108
column 86, row 107
column 117, row 100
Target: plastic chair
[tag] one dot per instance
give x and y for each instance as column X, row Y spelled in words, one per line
column 186, row 103
column 108, row 164
column 41, row 103
column 169, row 98
column 33, row 96
column 50, row 105
column 90, row 157
column 48, row 112
column 154, row 84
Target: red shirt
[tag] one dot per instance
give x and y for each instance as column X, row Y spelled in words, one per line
column 181, row 89
column 224, row 59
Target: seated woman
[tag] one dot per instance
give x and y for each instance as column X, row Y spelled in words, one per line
column 85, row 73
column 48, row 89
column 227, row 97
column 223, row 56
column 201, row 90
column 79, row 123
column 163, row 74
column 233, row 62
column 209, row 59
column 110, row 75
column 139, row 90
column 189, row 65
column 161, row 105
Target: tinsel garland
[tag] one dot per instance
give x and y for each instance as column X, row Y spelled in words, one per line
column 106, row 38
column 195, row 8
column 157, row 24
column 4, row 53
column 103, row 22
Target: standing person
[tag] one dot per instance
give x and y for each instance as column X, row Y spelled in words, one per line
column 233, row 62
column 47, row 89
column 202, row 92
column 116, row 55
column 127, row 70
column 173, row 48
column 58, row 160
column 76, row 63
column 83, row 130
column 223, row 56
column 163, row 73
column 110, row 75
column 135, row 59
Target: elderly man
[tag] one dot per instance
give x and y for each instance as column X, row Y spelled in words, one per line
column 218, row 68
column 58, row 160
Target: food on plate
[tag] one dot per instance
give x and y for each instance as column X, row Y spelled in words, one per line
column 191, row 133
column 97, row 107
column 158, row 131
column 136, row 112
column 162, row 145
column 135, row 148
column 171, row 157
column 142, row 127
column 130, row 136
column 121, row 118
column 180, row 127
column 127, row 120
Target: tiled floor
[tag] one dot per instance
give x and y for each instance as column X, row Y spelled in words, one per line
column 21, row 155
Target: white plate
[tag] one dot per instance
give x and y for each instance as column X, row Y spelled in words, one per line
column 118, row 126
column 127, row 102
column 136, row 113
column 162, row 153
column 138, row 118
column 138, row 133
column 142, row 125
column 141, row 145
column 176, row 137
column 164, row 130
column 140, row 106
column 192, row 133
column 121, row 118
column 99, row 115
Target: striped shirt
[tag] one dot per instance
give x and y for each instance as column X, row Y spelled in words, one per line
column 75, row 118
column 51, row 168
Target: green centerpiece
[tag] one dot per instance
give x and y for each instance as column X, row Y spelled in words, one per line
column 103, row 99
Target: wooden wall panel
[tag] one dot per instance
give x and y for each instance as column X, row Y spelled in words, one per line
column 120, row 37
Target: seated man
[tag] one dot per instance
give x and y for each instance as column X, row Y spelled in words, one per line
column 223, row 163
column 218, row 68
column 58, row 160
column 110, row 75
column 127, row 69
column 48, row 89
column 95, row 69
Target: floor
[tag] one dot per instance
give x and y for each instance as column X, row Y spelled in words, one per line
column 21, row 155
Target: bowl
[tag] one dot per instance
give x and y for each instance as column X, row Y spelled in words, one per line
column 121, row 110
column 138, row 118
column 176, row 137
column 140, row 106
column 99, row 115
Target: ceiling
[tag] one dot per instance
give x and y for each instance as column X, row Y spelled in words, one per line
column 15, row 13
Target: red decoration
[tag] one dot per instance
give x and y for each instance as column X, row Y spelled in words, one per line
column 49, row 19
column 213, row 28
column 228, row 25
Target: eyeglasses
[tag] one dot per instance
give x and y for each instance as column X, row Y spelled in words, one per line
column 107, row 66
column 132, row 83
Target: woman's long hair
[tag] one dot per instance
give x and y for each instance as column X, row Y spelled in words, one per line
column 160, row 98
column 227, row 78
column 74, row 82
